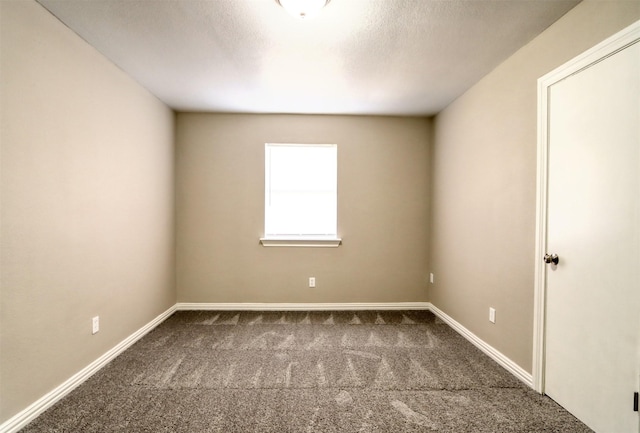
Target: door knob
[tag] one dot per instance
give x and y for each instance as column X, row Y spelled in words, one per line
column 551, row 258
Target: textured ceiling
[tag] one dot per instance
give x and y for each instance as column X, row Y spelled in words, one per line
column 392, row 57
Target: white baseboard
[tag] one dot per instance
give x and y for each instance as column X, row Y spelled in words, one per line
column 489, row 350
column 27, row 415
column 349, row 306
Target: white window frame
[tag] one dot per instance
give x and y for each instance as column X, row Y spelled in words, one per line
column 294, row 239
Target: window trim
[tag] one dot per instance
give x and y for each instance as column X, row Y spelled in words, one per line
column 303, row 240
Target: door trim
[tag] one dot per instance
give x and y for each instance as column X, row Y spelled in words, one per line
column 601, row 51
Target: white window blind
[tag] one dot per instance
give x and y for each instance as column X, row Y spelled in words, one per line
column 301, row 190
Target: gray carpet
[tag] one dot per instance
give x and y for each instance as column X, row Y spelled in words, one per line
column 373, row 371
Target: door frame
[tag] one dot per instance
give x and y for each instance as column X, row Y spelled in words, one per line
column 601, row 51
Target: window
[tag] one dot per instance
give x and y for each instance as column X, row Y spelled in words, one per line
column 301, row 195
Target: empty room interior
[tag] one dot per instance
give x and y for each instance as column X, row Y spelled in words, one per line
column 133, row 142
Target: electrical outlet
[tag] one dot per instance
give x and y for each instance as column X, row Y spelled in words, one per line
column 431, row 278
column 312, row 281
column 492, row 315
column 95, row 324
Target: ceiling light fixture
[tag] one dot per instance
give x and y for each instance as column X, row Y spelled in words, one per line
column 303, row 9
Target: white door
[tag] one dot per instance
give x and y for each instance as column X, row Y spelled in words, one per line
column 592, row 327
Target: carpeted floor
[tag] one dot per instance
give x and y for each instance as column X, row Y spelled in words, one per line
column 240, row 372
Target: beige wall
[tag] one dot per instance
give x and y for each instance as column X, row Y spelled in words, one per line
column 87, row 205
column 382, row 211
column 484, row 183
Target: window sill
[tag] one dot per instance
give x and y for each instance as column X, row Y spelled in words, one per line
column 309, row 242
